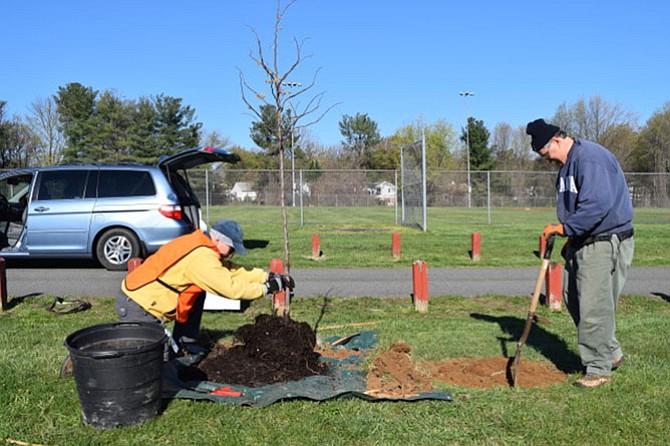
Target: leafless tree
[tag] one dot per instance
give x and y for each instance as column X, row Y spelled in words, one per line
column 283, row 95
column 214, row 139
column 43, row 120
column 592, row 119
column 511, row 147
column 654, row 152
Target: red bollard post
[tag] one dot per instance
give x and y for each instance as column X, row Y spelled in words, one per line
column 280, row 304
column 316, row 246
column 133, row 264
column 554, row 288
column 420, row 285
column 395, row 245
column 3, row 285
column 476, row 242
column 543, row 245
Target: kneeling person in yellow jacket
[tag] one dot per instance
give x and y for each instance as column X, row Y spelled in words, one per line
column 171, row 283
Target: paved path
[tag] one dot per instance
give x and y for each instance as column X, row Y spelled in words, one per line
column 453, row 281
column 97, row 282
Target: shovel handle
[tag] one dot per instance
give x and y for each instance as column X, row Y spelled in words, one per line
column 516, row 363
column 549, row 246
column 546, row 258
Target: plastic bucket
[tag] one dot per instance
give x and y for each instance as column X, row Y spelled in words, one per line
column 117, row 369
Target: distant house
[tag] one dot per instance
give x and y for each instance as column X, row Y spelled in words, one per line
column 384, row 192
column 242, row 191
column 306, row 189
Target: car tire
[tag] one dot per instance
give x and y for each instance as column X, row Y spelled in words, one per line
column 116, row 247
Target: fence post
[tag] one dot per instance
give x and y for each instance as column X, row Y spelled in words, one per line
column 134, row 263
column 316, row 246
column 420, row 285
column 395, row 245
column 554, row 286
column 476, row 242
column 280, row 303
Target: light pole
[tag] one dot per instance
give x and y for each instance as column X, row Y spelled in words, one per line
column 465, row 95
column 293, row 120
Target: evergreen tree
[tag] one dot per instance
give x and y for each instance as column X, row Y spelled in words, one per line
column 360, row 136
column 477, row 136
column 75, row 105
column 264, row 132
column 175, row 129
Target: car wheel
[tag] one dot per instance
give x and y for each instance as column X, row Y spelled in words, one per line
column 115, row 247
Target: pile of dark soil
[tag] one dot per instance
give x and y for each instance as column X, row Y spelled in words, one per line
column 273, row 349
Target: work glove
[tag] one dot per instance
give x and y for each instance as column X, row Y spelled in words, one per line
column 287, row 282
column 274, row 284
column 553, row 229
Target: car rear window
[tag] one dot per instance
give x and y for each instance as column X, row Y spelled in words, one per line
column 125, row 183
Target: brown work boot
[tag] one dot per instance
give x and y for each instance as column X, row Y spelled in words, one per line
column 617, row 362
column 589, row 380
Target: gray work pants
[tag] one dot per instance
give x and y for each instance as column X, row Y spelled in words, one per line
column 593, row 278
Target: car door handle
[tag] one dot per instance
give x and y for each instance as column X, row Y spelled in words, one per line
column 41, row 209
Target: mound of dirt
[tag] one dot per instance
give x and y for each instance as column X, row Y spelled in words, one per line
column 273, row 349
column 393, row 374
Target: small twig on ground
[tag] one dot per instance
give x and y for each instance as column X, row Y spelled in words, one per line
column 22, row 443
column 355, row 324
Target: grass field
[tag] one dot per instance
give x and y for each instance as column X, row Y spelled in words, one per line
column 361, row 237
column 39, row 407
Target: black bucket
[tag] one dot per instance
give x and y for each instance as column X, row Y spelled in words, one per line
column 117, row 369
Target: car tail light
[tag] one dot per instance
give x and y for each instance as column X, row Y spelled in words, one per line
column 171, row 211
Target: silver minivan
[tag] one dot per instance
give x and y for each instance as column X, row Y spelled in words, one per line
column 111, row 213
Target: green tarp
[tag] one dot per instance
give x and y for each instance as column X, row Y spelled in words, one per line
column 346, row 379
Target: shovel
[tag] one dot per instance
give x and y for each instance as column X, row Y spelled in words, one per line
column 514, row 368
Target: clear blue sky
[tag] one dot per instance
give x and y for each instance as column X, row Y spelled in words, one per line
column 397, row 61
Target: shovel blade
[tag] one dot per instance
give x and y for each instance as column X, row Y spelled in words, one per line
column 514, row 366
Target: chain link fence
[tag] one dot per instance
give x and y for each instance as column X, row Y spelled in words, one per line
column 352, row 189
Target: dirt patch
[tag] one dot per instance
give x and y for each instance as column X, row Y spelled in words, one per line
column 484, row 373
column 337, row 354
column 276, row 349
column 393, row 374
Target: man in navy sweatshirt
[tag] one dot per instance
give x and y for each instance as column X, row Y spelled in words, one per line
column 595, row 211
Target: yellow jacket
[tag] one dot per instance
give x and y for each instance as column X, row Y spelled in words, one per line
column 195, row 264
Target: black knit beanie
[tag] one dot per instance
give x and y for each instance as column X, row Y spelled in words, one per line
column 540, row 133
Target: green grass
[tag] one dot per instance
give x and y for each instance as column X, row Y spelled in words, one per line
column 36, row 406
column 361, row 237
